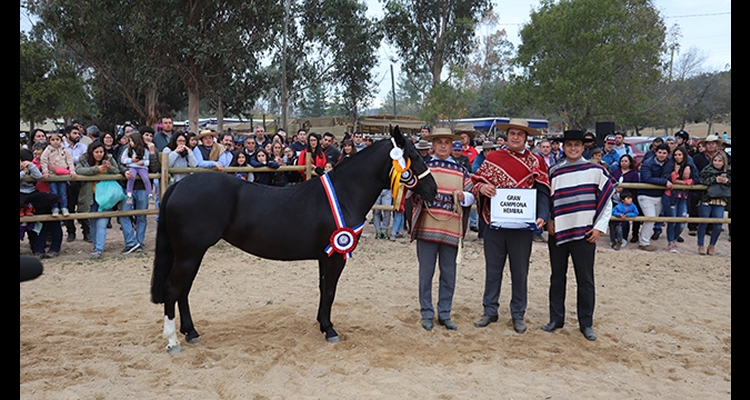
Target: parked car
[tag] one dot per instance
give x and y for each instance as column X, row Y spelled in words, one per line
column 640, row 146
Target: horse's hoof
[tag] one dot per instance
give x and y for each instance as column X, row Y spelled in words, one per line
column 192, row 337
column 174, row 349
column 333, row 339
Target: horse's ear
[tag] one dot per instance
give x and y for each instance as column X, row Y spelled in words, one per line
column 398, row 136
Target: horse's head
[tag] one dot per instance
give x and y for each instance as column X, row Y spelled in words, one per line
column 426, row 186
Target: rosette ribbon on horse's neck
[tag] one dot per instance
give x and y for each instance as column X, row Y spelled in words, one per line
column 344, row 239
column 401, row 176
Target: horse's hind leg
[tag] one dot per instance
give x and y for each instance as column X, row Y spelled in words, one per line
column 176, row 289
column 330, row 269
column 186, row 320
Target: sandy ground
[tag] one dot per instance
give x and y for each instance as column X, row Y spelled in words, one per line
column 89, row 331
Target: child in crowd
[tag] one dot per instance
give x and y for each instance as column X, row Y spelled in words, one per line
column 38, row 148
column 136, row 159
column 240, row 160
column 261, row 159
column 596, row 157
column 624, row 209
column 57, row 161
column 328, row 167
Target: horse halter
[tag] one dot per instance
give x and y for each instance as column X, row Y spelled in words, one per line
column 402, row 177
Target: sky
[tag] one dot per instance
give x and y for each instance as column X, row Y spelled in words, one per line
column 705, row 25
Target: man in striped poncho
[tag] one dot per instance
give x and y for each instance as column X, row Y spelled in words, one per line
column 581, row 208
column 438, row 229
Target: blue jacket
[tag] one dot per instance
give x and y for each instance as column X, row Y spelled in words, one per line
column 657, row 174
column 629, row 211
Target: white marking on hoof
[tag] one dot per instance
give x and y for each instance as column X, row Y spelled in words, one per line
column 170, row 333
column 174, row 350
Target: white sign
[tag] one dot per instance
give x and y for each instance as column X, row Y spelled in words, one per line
column 513, row 208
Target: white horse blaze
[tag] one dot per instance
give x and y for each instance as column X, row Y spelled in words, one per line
column 170, row 333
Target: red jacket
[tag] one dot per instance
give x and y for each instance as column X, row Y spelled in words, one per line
column 319, row 161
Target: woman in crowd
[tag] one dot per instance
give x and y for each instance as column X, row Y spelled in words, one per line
column 347, row 150
column 180, row 155
column 261, row 159
column 316, row 151
column 627, row 173
column 192, row 140
column 109, row 141
column 675, row 201
column 95, row 162
column 714, row 200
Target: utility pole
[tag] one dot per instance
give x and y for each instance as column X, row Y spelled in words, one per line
column 284, row 94
column 393, row 90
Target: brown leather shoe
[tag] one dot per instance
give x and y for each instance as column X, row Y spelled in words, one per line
column 702, row 250
column 711, row 250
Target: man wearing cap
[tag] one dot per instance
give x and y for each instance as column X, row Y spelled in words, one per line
column 437, row 228
column 581, row 208
column 610, row 156
column 207, row 152
column 518, row 168
column 458, row 156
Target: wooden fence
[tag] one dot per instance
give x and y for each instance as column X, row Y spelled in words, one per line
column 164, row 178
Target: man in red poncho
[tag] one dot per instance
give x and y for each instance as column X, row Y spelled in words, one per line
column 512, row 167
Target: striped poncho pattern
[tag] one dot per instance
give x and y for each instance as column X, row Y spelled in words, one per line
column 438, row 220
column 580, row 192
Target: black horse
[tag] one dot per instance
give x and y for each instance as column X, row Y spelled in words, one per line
column 205, row 207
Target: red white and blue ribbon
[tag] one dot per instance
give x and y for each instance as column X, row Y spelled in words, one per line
column 343, row 239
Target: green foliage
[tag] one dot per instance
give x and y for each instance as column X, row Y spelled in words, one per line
column 432, row 34
column 589, row 60
column 446, row 102
column 50, row 87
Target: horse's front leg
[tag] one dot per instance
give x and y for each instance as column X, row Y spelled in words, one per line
column 330, row 269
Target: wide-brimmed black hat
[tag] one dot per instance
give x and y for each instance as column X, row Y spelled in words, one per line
column 574, row 135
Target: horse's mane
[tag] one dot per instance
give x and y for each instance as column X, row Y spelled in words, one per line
column 369, row 148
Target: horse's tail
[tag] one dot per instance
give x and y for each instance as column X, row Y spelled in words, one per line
column 164, row 256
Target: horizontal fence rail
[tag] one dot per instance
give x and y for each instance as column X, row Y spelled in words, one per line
column 164, row 177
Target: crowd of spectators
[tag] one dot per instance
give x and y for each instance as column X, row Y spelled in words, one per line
column 134, row 153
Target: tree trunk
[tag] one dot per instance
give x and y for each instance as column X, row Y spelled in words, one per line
column 193, row 107
column 152, row 101
column 220, row 115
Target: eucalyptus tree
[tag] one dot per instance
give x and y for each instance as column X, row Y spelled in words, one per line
column 431, row 35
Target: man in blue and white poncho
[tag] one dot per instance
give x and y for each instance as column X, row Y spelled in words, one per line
column 581, row 208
